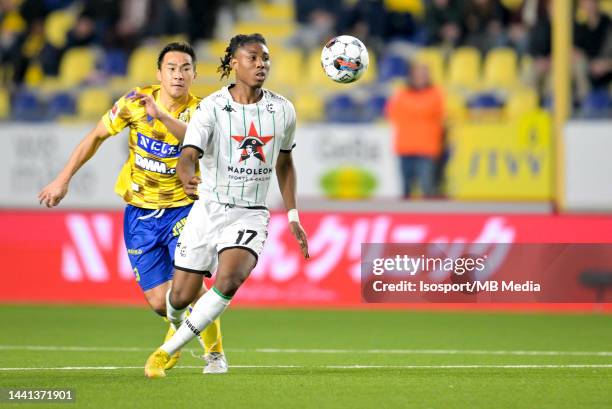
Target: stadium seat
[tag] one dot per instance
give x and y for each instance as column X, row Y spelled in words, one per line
column 92, row 103
column 204, row 89
column 27, row 107
column 76, row 65
column 270, row 32
column 374, row 107
column 464, row 68
column 598, row 104
column 392, row 66
column 275, row 11
column 520, row 102
column 142, row 66
column 286, row 67
column 309, row 106
column 484, row 100
column 500, row 69
column 5, row 103
column 434, row 59
column 455, row 105
column 115, row 62
column 414, row 7
column 60, row 104
column 342, row 108
column 56, row 26
column 207, row 71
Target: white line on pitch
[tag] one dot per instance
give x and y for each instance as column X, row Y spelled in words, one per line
column 520, row 366
column 319, row 351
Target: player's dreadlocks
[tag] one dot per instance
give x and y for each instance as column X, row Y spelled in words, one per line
column 236, row 42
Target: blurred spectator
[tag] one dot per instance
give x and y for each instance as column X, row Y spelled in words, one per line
column 13, row 29
column 202, row 18
column 593, row 49
column 167, row 17
column 443, row 22
column 537, row 15
column 316, row 23
column 484, row 24
column 366, row 20
column 417, row 114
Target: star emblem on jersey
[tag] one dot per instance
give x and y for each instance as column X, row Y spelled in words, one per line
column 252, row 144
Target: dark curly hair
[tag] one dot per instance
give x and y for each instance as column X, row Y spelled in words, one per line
column 182, row 47
column 236, row 42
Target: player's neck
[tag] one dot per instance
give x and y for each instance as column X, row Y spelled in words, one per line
column 243, row 94
column 172, row 104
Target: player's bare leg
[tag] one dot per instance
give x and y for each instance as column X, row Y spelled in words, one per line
column 235, row 265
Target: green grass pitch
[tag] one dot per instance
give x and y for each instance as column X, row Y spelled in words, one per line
column 315, row 359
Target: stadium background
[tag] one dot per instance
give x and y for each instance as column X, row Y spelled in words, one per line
column 524, row 165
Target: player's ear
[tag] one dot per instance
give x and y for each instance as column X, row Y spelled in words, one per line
column 158, row 75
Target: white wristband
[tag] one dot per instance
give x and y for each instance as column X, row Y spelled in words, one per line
column 293, row 216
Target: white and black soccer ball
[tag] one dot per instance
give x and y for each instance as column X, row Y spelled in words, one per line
column 344, row 59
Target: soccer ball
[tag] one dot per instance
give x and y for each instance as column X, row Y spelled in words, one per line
column 344, row 59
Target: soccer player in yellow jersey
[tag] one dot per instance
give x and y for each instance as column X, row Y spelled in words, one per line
column 157, row 206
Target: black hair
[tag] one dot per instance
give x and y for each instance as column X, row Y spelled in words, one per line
column 236, row 42
column 181, row 47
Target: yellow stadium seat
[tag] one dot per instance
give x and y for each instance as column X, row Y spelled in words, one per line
column 309, row 106
column 207, row 70
column 433, row 58
column 520, row 102
column 455, row 106
column 93, row 102
column 57, row 25
column 464, row 68
column 286, row 67
column 76, row 65
column 142, row 66
column 414, row 7
column 269, row 31
column 216, row 49
column 276, row 11
column 5, row 103
column 500, row 68
column 203, row 90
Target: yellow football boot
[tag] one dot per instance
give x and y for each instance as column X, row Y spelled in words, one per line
column 156, row 362
column 175, row 357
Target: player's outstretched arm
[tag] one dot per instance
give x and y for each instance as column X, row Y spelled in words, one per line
column 186, row 171
column 175, row 126
column 55, row 191
column 286, row 175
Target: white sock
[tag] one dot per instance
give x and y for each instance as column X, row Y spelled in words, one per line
column 206, row 310
column 176, row 317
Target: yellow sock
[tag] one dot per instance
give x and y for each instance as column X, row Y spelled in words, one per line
column 212, row 337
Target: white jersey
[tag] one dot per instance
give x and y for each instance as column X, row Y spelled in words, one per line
column 239, row 145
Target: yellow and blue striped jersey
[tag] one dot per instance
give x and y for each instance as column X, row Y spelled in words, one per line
column 148, row 177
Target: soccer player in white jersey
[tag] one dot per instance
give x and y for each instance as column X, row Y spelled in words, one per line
column 240, row 135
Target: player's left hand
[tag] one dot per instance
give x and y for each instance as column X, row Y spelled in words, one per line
column 149, row 104
column 300, row 235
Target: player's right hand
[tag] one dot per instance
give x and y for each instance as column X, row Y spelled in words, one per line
column 191, row 187
column 52, row 194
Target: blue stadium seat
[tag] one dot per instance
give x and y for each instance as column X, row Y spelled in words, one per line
column 374, row 107
column 485, row 101
column 342, row 108
column 392, row 66
column 598, row 104
column 26, row 107
column 115, row 62
column 61, row 103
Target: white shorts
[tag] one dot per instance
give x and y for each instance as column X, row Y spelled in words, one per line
column 212, row 227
